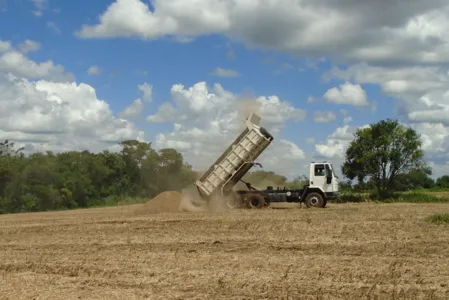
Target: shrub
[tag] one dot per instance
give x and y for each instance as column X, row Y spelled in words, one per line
column 346, row 197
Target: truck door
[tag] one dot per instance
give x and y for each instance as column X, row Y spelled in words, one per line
column 320, row 178
column 330, row 186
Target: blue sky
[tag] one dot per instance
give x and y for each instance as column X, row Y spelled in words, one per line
column 262, row 72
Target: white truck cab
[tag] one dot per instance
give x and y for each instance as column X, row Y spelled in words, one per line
column 322, row 177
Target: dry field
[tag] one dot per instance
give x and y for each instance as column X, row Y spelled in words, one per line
column 347, row 251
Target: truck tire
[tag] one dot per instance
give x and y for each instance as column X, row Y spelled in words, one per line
column 315, row 200
column 255, row 201
column 234, row 201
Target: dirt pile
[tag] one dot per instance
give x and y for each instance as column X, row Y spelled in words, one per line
column 187, row 201
column 168, row 201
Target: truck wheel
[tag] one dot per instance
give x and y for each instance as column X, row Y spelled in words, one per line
column 315, row 200
column 255, row 201
column 234, row 201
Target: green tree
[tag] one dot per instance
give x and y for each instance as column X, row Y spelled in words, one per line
column 345, row 185
column 11, row 162
column 415, row 179
column 381, row 152
column 443, row 181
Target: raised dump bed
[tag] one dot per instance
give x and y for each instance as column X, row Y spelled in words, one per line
column 236, row 160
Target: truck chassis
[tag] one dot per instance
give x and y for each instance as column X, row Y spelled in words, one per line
column 257, row 198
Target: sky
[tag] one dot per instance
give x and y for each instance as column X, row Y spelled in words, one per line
column 184, row 74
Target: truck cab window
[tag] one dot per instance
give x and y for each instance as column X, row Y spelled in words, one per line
column 319, row 170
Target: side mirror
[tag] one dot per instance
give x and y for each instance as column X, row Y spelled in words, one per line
column 329, row 179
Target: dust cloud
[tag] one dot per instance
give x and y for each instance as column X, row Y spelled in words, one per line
column 245, row 105
column 189, row 200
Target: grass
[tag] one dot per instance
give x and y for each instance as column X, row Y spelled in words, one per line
column 439, row 218
column 347, row 251
column 418, row 196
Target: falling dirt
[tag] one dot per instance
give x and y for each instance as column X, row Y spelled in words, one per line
column 192, row 202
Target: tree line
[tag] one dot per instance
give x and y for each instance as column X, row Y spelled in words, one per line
column 45, row 181
column 383, row 158
column 49, row 181
column 413, row 180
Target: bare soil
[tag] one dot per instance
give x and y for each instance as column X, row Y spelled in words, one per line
column 347, row 251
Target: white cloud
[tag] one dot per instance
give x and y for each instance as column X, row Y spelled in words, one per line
column 20, row 65
column 58, row 116
column 421, row 91
column 348, row 93
column 283, row 157
column 199, row 105
column 435, row 137
column 346, row 117
column 334, row 148
column 394, row 80
column 147, row 91
column 324, row 116
column 5, row 46
column 174, row 17
column 409, row 31
column 94, row 70
column 206, row 120
column 137, row 106
column 336, row 143
column 220, row 72
column 52, row 112
column 134, row 109
column 29, row 46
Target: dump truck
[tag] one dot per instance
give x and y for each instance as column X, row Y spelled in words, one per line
column 229, row 169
